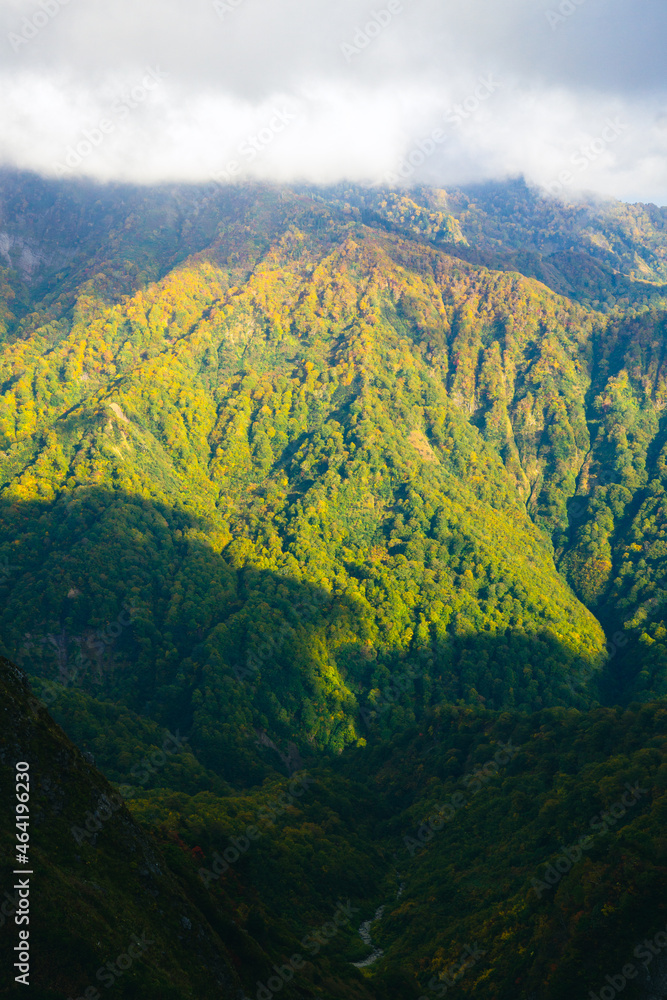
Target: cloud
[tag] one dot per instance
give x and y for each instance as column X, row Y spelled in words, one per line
column 152, row 90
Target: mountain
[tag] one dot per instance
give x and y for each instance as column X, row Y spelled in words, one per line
column 606, row 255
column 92, row 863
column 296, row 477
column 147, row 896
column 530, row 845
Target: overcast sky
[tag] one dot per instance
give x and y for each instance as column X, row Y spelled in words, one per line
column 570, row 93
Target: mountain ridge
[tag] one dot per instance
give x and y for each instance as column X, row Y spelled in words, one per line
column 286, row 475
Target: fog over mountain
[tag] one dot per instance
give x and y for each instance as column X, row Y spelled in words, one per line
column 569, row 94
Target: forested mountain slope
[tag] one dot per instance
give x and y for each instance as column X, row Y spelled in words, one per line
column 607, row 255
column 200, row 447
column 527, row 851
column 310, row 476
column 99, row 886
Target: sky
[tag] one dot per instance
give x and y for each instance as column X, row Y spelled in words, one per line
column 571, row 94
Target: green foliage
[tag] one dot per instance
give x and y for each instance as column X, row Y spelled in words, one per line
column 339, row 481
column 334, row 428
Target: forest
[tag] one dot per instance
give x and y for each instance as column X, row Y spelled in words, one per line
column 353, row 493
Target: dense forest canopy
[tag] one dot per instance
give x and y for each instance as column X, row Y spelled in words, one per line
column 363, row 486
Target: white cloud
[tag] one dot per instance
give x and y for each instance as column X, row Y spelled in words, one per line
column 337, row 89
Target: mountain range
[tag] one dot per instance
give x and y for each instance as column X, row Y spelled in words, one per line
column 333, row 549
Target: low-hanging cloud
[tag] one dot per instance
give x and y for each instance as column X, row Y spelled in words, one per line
column 569, row 93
